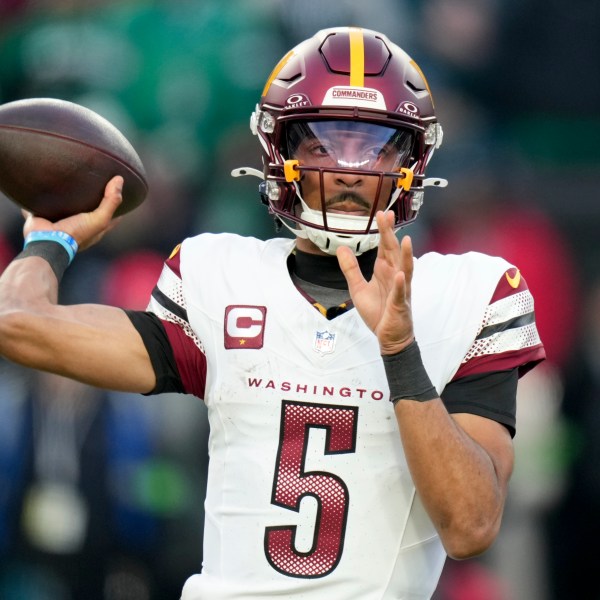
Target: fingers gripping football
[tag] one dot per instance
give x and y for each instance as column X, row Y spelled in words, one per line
column 86, row 228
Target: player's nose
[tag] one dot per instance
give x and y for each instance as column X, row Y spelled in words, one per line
column 349, row 179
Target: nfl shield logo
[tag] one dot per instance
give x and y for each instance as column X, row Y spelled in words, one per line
column 324, row 342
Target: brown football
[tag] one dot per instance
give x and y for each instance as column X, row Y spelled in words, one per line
column 56, row 158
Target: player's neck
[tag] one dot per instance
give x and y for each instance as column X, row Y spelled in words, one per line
column 324, row 270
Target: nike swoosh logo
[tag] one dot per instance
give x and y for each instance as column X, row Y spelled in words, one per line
column 514, row 281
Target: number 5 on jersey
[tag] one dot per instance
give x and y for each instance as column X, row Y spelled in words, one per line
column 292, row 483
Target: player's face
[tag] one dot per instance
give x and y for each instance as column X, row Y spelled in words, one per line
column 354, row 149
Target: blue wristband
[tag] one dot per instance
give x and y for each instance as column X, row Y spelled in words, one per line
column 60, row 237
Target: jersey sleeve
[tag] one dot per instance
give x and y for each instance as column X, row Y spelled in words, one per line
column 506, row 346
column 492, row 395
column 168, row 303
column 507, row 337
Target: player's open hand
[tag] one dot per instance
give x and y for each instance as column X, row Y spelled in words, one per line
column 384, row 301
column 86, row 228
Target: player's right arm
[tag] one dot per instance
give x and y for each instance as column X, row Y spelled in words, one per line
column 94, row 344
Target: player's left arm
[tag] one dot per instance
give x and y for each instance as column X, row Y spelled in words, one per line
column 481, row 399
column 460, row 463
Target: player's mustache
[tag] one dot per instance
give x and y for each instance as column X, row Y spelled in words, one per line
column 348, row 197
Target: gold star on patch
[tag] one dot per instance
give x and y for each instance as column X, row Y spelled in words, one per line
column 242, row 342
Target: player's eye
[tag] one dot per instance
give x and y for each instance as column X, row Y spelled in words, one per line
column 320, row 153
column 372, row 152
column 375, row 154
column 321, row 150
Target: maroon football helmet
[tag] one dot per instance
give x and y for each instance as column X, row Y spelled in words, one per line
column 356, row 82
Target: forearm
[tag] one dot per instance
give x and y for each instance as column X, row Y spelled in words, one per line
column 461, row 488
column 27, row 283
column 28, row 287
column 91, row 343
column 31, row 327
column 461, row 478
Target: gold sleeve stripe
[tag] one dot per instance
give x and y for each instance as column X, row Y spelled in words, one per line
column 357, row 57
column 416, row 66
column 276, row 70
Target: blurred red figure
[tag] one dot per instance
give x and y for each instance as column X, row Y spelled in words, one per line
column 528, row 238
column 129, row 280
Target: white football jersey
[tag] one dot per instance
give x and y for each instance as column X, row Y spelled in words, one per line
column 309, row 494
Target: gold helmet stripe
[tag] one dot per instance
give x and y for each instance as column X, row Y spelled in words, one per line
column 357, row 57
column 276, row 70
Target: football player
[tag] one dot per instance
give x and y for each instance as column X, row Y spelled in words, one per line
column 361, row 400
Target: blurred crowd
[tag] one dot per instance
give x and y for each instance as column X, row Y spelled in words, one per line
column 101, row 493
